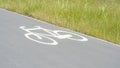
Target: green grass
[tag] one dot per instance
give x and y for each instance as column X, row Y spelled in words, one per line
column 98, row 18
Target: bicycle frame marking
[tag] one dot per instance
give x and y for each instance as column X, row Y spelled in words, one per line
column 51, row 33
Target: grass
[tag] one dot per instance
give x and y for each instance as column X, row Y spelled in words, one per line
column 98, row 18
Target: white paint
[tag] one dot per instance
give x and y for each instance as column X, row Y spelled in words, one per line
column 70, row 35
column 53, row 42
column 51, row 33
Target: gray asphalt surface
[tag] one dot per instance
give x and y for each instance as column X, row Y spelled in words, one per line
column 17, row 51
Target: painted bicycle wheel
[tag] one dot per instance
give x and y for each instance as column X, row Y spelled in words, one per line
column 70, row 35
column 41, row 39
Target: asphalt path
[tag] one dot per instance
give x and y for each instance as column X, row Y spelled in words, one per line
column 29, row 43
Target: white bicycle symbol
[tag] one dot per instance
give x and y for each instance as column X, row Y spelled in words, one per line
column 50, row 33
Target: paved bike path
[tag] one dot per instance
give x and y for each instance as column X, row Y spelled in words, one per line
column 17, row 51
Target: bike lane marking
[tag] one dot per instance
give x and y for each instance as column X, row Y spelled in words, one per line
column 51, row 33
